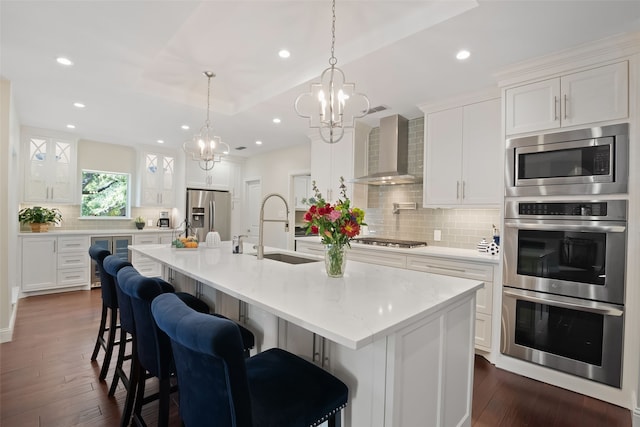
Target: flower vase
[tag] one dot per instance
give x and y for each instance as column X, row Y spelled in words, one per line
column 335, row 260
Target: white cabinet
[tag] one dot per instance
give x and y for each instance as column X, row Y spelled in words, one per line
column 223, row 176
column 301, row 191
column 595, row 95
column 345, row 158
column 463, row 156
column 39, row 263
column 158, row 179
column 73, row 261
column 49, row 169
column 468, row 270
column 145, row 265
column 49, row 262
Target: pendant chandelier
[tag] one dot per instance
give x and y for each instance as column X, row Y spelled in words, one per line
column 205, row 148
column 332, row 104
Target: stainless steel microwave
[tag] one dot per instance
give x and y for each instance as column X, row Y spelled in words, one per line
column 577, row 162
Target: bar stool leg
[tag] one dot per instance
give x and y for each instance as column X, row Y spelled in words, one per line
column 101, row 331
column 119, row 373
column 111, row 339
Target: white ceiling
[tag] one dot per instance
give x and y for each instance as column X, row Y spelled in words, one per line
column 138, row 64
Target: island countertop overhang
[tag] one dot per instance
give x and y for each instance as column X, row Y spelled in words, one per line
column 370, row 302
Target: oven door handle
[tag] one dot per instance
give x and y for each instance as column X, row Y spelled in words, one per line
column 590, row 306
column 594, row 226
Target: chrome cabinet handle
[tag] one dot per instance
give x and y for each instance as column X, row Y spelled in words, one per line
column 457, row 190
column 464, row 183
column 565, row 106
column 555, row 108
column 565, row 302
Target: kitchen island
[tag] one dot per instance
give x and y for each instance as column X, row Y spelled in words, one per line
column 401, row 340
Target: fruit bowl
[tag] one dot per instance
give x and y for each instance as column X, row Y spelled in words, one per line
column 190, row 242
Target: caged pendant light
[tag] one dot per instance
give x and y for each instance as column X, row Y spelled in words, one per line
column 332, row 104
column 205, row 148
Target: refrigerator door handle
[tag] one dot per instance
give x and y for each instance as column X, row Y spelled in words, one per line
column 212, row 216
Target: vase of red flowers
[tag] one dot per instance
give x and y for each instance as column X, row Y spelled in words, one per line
column 336, row 224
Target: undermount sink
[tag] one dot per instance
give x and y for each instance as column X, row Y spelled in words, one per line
column 289, row 259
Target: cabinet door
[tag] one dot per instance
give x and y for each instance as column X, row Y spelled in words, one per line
column 321, row 167
column 39, row 263
column 49, row 170
column 218, row 178
column 301, row 191
column 482, row 153
column 443, row 158
column 158, row 180
column 595, row 95
column 533, row 107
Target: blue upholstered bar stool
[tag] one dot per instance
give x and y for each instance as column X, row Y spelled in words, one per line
column 219, row 387
column 109, row 310
column 112, row 264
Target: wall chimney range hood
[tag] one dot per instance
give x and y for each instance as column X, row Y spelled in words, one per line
column 394, row 154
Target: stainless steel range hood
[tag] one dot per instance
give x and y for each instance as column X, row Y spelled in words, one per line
column 394, row 153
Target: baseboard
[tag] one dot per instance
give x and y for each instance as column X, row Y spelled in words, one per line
column 6, row 334
column 635, row 417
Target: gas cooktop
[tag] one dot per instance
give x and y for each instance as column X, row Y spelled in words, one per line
column 392, row 243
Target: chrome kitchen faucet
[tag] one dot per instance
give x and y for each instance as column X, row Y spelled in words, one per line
column 260, row 246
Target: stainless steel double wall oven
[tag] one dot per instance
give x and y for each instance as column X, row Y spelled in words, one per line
column 564, row 275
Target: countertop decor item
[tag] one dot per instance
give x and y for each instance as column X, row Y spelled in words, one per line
column 139, row 221
column 39, row 218
column 336, row 225
column 190, row 242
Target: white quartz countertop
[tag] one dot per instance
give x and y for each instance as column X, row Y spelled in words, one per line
column 93, row 232
column 368, row 303
column 434, row 251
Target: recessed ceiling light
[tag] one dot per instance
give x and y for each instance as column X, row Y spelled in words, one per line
column 463, row 54
column 185, row 127
column 160, row 141
column 70, row 126
column 79, row 105
column 284, row 53
column 258, row 142
column 276, row 120
column 64, row 61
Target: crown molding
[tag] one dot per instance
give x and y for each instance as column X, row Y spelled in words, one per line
column 610, row 49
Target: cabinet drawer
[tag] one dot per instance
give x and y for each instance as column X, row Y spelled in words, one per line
column 310, row 248
column 149, row 269
column 146, row 239
column 72, row 260
column 378, row 258
column 465, row 270
column 73, row 244
column 73, row 277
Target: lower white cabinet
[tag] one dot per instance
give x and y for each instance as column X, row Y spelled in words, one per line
column 430, row 264
column 145, row 265
column 50, row 262
column 467, row 270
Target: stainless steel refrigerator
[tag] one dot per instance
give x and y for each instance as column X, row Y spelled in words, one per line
column 209, row 210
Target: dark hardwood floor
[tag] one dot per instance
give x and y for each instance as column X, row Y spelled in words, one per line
column 47, row 379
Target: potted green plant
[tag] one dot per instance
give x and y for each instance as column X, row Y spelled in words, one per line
column 139, row 222
column 39, row 218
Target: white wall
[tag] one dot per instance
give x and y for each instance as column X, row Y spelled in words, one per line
column 9, row 190
column 274, row 169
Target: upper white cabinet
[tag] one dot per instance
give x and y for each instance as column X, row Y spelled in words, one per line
column 50, row 169
column 301, row 191
column 463, row 156
column 595, row 95
column 158, row 179
column 345, row 158
column 223, row 176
